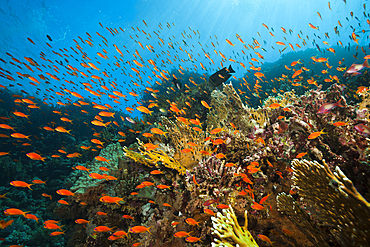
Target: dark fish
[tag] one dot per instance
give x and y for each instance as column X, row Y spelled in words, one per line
column 220, row 76
column 49, row 38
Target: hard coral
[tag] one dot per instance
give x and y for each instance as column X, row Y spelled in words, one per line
column 334, row 200
column 228, row 230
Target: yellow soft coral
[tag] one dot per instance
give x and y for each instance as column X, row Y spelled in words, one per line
column 227, row 229
column 152, row 157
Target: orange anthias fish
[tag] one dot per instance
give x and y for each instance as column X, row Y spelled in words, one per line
column 65, row 192
column 99, row 158
column 158, row 131
column 340, row 123
column 181, row 234
column 82, row 221
column 139, row 229
column 264, row 238
column 274, row 105
column 21, row 184
column 109, row 199
column 192, row 239
column 300, row 155
column 191, row 222
column 314, row 135
column 257, row 206
column 4, row 224
column 35, row 156
column 103, row 229
column 14, row 211
column 205, row 104
column 156, row 172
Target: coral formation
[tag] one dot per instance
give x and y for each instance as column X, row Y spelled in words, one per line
column 332, row 200
column 228, row 231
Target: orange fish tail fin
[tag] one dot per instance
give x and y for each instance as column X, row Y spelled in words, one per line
column 29, row 186
column 338, row 103
column 366, row 64
column 24, row 213
column 149, row 228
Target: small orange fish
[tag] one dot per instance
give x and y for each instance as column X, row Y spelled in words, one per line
column 314, row 135
column 257, row 206
column 156, row 172
column 128, row 217
column 37, row 181
column 300, row 155
column 20, row 136
column 205, row 104
column 287, row 232
column 21, row 184
column 56, row 233
column 63, row 202
column 340, row 123
column 158, row 131
column 192, row 239
column 150, row 146
column 103, row 229
column 264, row 238
column 139, row 229
column 210, row 212
column 4, row 224
column 181, row 234
column 14, row 211
column 46, row 195
column 52, row 226
column 264, row 199
column 191, row 222
column 82, row 221
column 222, row 206
column 229, row 42
column 220, row 156
column 64, row 192
column 99, row 158
column 162, row 186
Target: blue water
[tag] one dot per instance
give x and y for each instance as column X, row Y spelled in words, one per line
column 215, row 21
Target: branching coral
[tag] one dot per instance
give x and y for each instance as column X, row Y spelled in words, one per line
column 227, row 229
column 335, row 201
